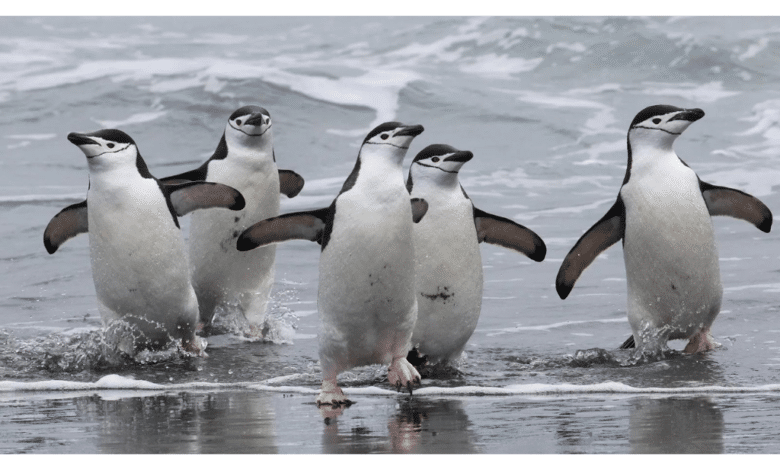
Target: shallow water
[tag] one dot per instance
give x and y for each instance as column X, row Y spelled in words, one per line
column 544, row 104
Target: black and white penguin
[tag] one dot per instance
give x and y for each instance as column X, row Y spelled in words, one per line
column 662, row 215
column 366, row 300
column 139, row 263
column 244, row 159
column 449, row 263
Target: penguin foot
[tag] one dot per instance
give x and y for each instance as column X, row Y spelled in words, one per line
column 402, row 374
column 700, row 342
column 196, row 346
column 332, row 395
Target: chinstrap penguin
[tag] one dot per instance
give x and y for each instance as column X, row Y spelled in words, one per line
column 662, row 215
column 244, row 159
column 449, row 263
column 366, row 300
column 139, row 262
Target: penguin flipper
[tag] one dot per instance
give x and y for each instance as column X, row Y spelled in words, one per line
column 308, row 225
column 290, row 183
column 604, row 233
column 198, row 174
column 419, row 208
column 187, row 197
column 504, row 232
column 735, row 203
column 68, row 223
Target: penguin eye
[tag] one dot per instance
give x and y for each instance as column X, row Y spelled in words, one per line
column 656, row 120
column 110, row 146
column 238, row 121
column 384, row 136
column 435, row 159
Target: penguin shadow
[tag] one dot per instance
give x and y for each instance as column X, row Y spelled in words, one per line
column 678, row 425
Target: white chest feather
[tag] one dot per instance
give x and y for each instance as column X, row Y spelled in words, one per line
column 449, row 274
column 220, row 272
column 366, row 294
column 670, row 252
column 139, row 264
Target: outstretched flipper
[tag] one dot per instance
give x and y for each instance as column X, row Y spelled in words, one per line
column 198, row 174
column 604, row 233
column 308, row 225
column 504, row 232
column 68, row 223
column 734, row 203
column 187, row 197
column 290, row 183
column 419, row 208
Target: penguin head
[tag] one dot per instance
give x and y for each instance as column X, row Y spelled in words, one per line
column 249, row 126
column 106, row 148
column 439, row 164
column 660, row 125
column 389, row 140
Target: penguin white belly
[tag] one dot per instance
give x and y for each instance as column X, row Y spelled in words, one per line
column 139, row 263
column 220, row 273
column 674, row 288
column 449, row 278
column 366, row 295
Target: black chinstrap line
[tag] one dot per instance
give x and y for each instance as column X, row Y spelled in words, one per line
column 656, row 129
column 388, row 143
column 247, row 133
column 114, row 151
column 442, row 169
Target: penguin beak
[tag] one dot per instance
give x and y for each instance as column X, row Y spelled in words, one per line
column 461, row 156
column 410, row 130
column 80, row 139
column 691, row 115
column 257, row 119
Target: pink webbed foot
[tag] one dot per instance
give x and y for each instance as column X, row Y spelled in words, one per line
column 402, row 374
column 332, row 395
column 196, row 346
column 700, row 342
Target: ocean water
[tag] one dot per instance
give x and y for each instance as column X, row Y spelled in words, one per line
column 543, row 103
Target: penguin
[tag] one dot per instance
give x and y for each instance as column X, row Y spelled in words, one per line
column 662, row 215
column 366, row 299
column 448, row 259
column 245, row 160
column 138, row 258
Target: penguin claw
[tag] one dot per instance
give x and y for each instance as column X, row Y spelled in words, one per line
column 398, row 386
column 409, row 387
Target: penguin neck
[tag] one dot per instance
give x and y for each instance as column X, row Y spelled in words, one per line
column 379, row 170
column 251, row 151
column 433, row 180
column 648, row 148
column 118, row 170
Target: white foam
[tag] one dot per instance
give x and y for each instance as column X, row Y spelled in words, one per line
column 500, row 66
column 754, row 49
column 693, row 92
column 131, row 387
column 377, row 88
column 42, row 198
column 133, row 119
column 552, row 326
column 569, row 46
column 31, row 136
column 767, row 287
